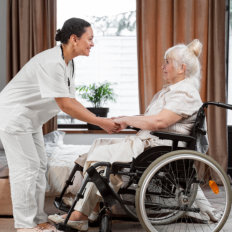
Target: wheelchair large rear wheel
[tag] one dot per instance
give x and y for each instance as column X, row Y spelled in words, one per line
column 190, row 192
column 142, row 162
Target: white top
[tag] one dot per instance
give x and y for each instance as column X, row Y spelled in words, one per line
column 181, row 98
column 27, row 102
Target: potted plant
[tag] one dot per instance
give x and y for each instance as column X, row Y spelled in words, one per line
column 98, row 94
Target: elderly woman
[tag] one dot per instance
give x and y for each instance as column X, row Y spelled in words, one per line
column 172, row 109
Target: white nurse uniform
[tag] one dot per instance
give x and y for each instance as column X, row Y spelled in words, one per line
column 26, row 103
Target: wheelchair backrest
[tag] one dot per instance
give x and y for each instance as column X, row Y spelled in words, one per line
column 199, row 128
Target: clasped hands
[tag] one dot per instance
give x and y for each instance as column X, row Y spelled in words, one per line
column 115, row 124
column 120, row 123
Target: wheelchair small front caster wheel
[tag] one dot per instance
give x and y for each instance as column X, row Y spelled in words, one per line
column 95, row 223
column 106, row 223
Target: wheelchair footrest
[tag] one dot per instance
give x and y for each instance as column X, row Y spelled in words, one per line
column 94, row 223
column 61, row 205
column 66, row 228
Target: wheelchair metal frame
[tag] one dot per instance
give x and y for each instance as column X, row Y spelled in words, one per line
column 136, row 169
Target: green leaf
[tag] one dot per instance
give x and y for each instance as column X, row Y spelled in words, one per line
column 97, row 93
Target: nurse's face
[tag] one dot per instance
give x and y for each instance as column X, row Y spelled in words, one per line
column 84, row 43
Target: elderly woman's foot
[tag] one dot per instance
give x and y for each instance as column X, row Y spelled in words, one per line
column 94, row 214
column 77, row 220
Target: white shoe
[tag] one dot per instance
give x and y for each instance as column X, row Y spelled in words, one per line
column 79, row 225
column 69, row 201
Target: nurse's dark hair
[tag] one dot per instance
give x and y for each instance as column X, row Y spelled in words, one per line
column 71, row 26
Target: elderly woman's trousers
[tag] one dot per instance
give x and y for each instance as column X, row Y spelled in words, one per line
column 27, row 163
column 92, row 196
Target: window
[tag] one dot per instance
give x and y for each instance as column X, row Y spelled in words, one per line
column 114, row 56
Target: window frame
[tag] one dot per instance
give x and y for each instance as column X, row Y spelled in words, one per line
column 63, row 126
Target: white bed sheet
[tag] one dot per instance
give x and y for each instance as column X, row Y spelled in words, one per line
column 60, row 165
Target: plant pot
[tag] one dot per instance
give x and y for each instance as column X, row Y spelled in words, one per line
column 100, row 112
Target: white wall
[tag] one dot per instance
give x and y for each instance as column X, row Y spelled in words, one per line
column 3, row 5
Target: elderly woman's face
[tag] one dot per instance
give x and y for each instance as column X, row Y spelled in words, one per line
column 170, row 74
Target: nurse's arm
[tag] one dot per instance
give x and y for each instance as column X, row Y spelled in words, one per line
column 76, row 110
column 156, row 122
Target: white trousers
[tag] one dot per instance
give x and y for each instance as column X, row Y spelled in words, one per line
column 27, row 163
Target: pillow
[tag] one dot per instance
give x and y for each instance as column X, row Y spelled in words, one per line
column 53, row 140
column 4, row 171
column 54, row 137
column 1, row 146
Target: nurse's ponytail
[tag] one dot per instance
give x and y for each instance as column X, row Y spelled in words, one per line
column 71, row 26
column 58, row 35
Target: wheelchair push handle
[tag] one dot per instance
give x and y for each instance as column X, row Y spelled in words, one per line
column 219, row 104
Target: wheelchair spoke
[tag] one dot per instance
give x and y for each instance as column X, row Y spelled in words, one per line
column 177, row 173
column 173, row 174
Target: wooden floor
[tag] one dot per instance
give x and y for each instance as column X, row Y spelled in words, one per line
column 7, row 224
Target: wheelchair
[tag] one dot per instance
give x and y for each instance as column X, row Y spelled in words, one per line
column 164, row 188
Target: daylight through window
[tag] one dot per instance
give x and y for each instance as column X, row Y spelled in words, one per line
column 114, row 55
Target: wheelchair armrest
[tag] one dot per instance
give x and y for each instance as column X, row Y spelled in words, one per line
column 133, row 128
column 117, row 166
column 173, row 136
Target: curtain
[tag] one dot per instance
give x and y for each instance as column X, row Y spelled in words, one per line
column 31, row 29
column 164, row 23
column 216, row 82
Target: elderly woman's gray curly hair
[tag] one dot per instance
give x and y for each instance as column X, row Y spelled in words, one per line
column 188, row 55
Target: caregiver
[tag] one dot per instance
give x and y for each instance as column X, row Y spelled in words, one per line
column 43, row 87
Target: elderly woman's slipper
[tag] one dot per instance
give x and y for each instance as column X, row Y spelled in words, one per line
column 69, row 201
column 79, row 225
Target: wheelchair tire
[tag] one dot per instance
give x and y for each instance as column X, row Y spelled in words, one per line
column 172, row 204
column 145, row 159
column 105, row 224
